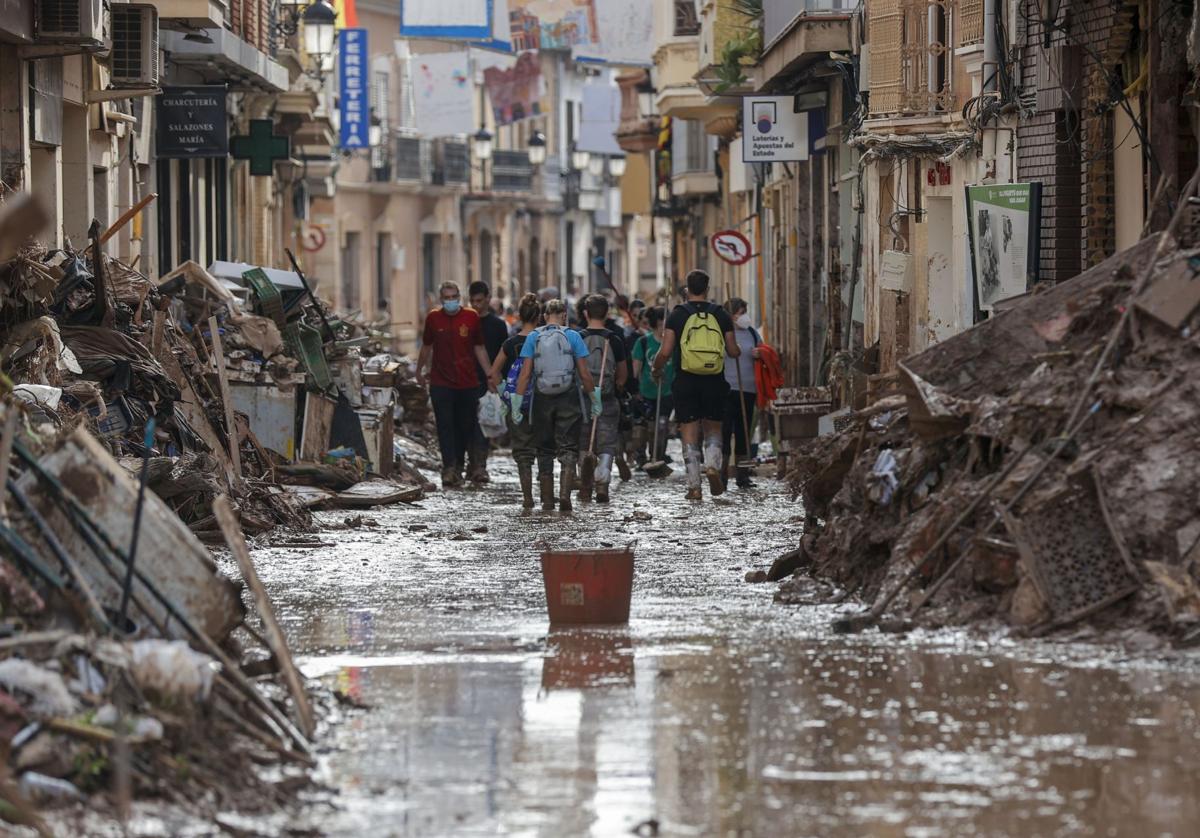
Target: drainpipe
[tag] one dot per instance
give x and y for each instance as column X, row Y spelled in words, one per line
column 990, row 48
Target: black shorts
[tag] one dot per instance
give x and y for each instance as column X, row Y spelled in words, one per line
column 699, row 397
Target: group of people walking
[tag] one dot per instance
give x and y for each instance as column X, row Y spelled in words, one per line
column 596, row 396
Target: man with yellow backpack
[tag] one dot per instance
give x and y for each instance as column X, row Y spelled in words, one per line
column 698, row 336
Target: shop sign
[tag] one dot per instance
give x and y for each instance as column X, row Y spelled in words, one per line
column 192, row 122
column 353, row 106
column 772, row 130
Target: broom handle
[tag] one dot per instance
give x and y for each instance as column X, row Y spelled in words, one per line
column 596, row 418
column 657, row 417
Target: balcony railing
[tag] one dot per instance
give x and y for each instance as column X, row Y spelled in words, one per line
column 912, row 53
column 779, row 14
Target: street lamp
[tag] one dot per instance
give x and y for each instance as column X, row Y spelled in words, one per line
column 319, row 20
column 483, row 144
column 579, row 159
column 595, row 165
column 537, row 149
column 616, row 166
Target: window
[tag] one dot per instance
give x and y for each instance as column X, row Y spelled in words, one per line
column 429, row 263
column 383, row 268
column 687, row 21
column 535, row 263
column 485, row 257
column 350, row 289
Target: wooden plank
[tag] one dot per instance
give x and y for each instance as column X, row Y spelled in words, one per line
column 274, row 635
column 173, row 559
column 231, row 432
column 11, row 414
column 156, row 336
column 318, row 423
column 192, row 408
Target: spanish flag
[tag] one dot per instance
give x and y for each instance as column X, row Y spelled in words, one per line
column 347, row 15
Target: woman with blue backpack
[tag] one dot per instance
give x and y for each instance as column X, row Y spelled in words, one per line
column 504, row 373
column 554, row 368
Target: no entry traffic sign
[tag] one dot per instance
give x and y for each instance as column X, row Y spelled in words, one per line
column 732, row 246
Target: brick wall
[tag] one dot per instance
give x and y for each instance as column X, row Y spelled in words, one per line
column 1067, row 144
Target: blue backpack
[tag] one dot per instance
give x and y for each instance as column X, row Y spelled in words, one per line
column 510, row 383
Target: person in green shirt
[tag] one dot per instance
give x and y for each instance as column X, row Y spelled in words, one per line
column 644, row 352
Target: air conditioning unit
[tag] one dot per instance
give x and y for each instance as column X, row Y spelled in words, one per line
column 133, row 61
column 71, row 21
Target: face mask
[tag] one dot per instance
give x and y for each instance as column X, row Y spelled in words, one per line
column 451, row 307
column 743, row 322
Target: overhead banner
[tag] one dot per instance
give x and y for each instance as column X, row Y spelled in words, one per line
column 192, row 121
column 443, row 95
column 772, row 131
column 624, row 36
column 553, row 24
column 467, row 20
column 1005, row 235
column 354, row 106
column 516, row 93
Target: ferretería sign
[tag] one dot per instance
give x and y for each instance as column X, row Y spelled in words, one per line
column 192, row 122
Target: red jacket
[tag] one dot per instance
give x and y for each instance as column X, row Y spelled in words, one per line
column 768, row 374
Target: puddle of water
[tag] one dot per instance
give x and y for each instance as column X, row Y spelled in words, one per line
column 714, row 712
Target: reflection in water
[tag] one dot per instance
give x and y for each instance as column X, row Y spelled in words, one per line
column 714, row 712
column 580, row 658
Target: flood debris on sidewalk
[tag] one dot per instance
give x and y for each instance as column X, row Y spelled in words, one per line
column 140, row 419
column 1037, row 470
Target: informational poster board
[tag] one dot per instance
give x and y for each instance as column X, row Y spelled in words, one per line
column 1004, row 222
column 772, row 130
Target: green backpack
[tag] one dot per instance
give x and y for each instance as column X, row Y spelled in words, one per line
column 702, row 345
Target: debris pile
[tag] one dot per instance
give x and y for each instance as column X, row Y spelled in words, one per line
column 1038, row 469
column 138, row 420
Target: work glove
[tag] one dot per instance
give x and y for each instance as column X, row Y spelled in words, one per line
column 597, row 403
column 518, row 401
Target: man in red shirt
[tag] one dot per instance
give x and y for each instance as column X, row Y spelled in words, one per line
column 451, row 347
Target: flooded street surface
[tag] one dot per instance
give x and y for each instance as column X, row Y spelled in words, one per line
column 715, row 712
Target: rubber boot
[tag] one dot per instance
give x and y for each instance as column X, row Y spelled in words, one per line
column 743, row 478
column 623, row 468
column 546, row 485
column 713, row 466
column 525, row 473
column 603, row 477
column 585, row 486
column 691, row 459
column 566, row 481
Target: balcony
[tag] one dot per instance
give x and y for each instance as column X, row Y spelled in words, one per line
column 799, row 33
column 638, row 130
column 912, row 60
column 693, row 161
column 511, row 171
column 224, row 58
column 677, row 60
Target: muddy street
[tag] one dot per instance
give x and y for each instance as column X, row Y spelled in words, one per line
column 716, row 711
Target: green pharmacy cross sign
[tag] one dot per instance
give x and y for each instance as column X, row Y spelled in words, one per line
column 262, row 147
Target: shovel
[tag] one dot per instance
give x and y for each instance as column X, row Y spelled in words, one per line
column 657, row 469
column 587, row 464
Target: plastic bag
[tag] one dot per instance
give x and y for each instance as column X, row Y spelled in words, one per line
column 491, row 416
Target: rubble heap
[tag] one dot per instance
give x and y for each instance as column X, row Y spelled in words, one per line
column 138, row 420
column 1037, row 469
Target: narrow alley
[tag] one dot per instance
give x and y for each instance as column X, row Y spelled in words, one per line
column 715, row 712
